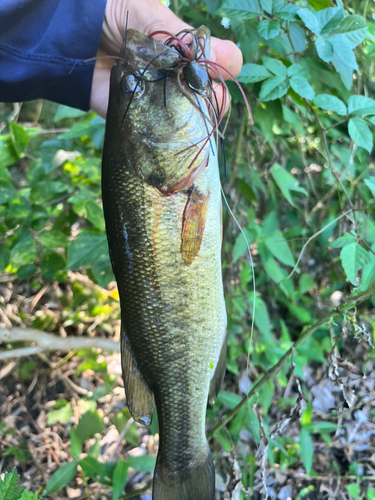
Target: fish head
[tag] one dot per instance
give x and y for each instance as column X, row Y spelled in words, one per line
column 157, row 120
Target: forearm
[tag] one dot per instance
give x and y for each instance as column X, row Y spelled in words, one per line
column 43, row 48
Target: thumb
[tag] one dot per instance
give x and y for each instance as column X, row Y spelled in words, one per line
column 148, row 16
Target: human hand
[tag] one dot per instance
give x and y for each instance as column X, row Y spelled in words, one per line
column 146, row 16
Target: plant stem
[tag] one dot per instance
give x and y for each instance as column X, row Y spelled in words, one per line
column 356, row 299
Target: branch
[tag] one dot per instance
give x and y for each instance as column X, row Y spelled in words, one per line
column 356, row 299
column 49, row 342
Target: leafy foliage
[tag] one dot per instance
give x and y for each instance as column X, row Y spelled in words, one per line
column 8, row 489
column 302, row 184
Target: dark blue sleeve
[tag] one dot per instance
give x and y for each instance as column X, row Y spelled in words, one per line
column 43, row 47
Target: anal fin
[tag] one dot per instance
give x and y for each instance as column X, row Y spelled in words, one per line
column 139, row 397
column 219, row 373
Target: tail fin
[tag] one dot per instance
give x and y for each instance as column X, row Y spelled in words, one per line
column 196, row 482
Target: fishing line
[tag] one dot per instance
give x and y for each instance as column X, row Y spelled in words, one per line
column 205, row 123
column 140, row 80
column 222, row 148
column 252, row 272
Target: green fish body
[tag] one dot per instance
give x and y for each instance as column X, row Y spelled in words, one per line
column 162, row 210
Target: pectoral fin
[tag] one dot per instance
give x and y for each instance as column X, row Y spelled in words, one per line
column 139, row 397
column 219, row 373
column 193, row 225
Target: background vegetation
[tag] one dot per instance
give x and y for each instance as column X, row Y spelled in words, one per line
column 302, row 183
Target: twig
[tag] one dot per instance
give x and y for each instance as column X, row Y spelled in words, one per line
column 41, row 434
column 356, row 299
column 38, row 296
column 49, row 342
column 66, row 380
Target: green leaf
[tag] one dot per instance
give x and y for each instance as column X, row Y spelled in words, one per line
column 21, row 138
column 240, row 245
column 26, row 272
column 8, row 490
column 8, row 153
column 89, row 424
column 292, row 118
column 230, row 399
column 370, row 183
column 102, row 271
column 97, row 470
column 330, row 103
column 278, row 275
column 61, row 477
column 285, row 11
column 354, row 27
column 261, row 317
column 268, row 29
column 6, row 194
column 306, row 283
column 95, row 214
column 241, row 9
column 75, row 444
column 309, row 20
column 246, row 190
column 286, row 182
column 266, row 5
column 53, row 267
column 67, row 112
column 120, row 475
column 330, row 19
column 343, row 50
column 4, row 257
column 276, row 67
column 28, row 495
column 19, row 208
column 297, row 36
column 251, row 73
column 278, row 246
column 370, row 494
column 301, row 313
column 86, row 249
column 24, row 250
column 302, row 87
column 306, row 449
column 361, row 105
column 273, row 88
column 354, row 491
column 80, row 129
column 324, row 49
column 353, row 258
column 95, row 449
column 142, row 463
column 345, row 72
column 368, row 273
column 360, row 133
column 342, row 241
column 62, row 415
column 131, row 435
column 53, row 239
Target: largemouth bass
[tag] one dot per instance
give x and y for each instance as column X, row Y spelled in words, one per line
column 162, row 208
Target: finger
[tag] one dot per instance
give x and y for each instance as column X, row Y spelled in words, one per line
column 149, row 16
column 228, row 55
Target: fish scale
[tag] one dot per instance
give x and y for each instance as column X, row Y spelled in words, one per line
column 172, row 306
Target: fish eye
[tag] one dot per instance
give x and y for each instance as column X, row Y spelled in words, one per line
column 134, row 85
